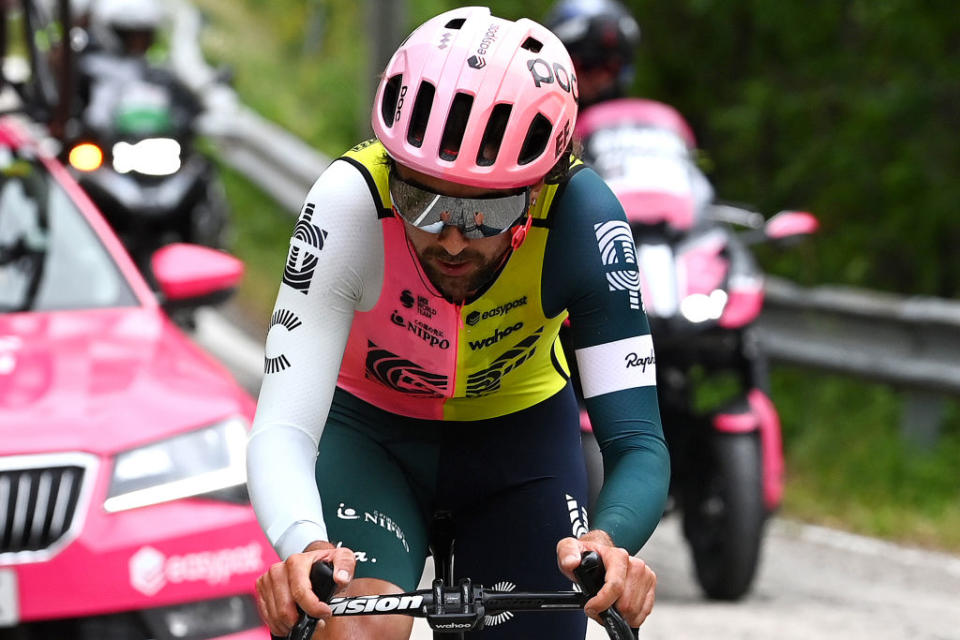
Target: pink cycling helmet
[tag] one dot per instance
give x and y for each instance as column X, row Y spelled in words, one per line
column 478, row 100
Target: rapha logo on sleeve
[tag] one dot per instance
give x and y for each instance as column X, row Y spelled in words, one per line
column 615, row 366
column 634, row 360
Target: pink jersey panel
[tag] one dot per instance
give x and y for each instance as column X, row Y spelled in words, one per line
column 401, row 355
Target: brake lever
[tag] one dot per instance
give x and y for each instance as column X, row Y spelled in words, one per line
column 321, row 580
column 590, row 576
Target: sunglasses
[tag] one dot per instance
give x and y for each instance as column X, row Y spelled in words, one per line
column 482, row 217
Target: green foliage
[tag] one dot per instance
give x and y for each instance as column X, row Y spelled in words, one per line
column 297, row 63
column 848, row 465
column 845, row 108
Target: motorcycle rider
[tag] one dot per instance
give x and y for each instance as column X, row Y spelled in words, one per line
column 412, row 362
column 122, row 33
column 602, row 37
column 129, row 101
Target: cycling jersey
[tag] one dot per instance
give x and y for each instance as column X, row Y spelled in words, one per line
column 418, row 355
column 355, row 310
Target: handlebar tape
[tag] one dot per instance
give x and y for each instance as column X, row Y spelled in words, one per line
column 321, row 580
column 590, row 576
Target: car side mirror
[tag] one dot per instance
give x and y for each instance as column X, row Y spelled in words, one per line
column 190, row 275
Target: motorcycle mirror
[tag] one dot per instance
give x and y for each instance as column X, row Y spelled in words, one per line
column 787, row 224
column 190, row 275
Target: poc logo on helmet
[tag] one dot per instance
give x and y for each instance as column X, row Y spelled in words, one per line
column 545, row 73
column 403, row 93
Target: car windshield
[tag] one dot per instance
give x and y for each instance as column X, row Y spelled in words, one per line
column 50, row 257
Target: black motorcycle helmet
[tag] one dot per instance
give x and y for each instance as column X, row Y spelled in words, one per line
column 602, row 37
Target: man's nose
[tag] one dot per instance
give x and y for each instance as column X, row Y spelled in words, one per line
column 452, row 240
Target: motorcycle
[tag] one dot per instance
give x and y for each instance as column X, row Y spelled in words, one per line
column 136, row 157
column 702, row 289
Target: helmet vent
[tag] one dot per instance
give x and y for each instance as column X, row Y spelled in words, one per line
column 455, row 127
column 388, row 107
column 493, row 135
column 421, row 114
column 456, row 23
column 536, row 141
column 532, row 44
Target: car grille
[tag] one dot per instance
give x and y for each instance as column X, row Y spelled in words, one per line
column 41, row 500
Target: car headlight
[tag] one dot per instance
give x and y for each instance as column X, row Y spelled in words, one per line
column 699, row 307
column 190, row 464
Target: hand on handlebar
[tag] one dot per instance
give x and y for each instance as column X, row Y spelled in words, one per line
column 629, row 583
column 286, row 586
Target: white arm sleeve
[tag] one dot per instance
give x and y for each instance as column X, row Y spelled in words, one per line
column 335, row 267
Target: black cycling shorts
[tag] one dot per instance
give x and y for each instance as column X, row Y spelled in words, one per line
column 515, row 485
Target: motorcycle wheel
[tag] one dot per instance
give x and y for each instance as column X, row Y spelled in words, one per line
column 210, row 218
column 723, row 516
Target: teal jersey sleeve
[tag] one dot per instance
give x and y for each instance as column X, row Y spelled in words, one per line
column 591, row 270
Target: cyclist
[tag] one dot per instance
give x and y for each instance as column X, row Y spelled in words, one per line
column 412, row 360
column 602, row 37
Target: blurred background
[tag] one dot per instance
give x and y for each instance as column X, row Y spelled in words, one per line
column 843, row 108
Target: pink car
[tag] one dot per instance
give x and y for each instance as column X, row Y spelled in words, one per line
column 123, row 507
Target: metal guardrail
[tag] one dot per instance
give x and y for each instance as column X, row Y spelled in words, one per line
column 909, row 342
column 913, row 342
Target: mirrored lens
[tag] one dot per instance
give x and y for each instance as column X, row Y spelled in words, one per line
column 475, row 217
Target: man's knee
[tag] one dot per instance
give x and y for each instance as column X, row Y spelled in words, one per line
column 376, row 627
